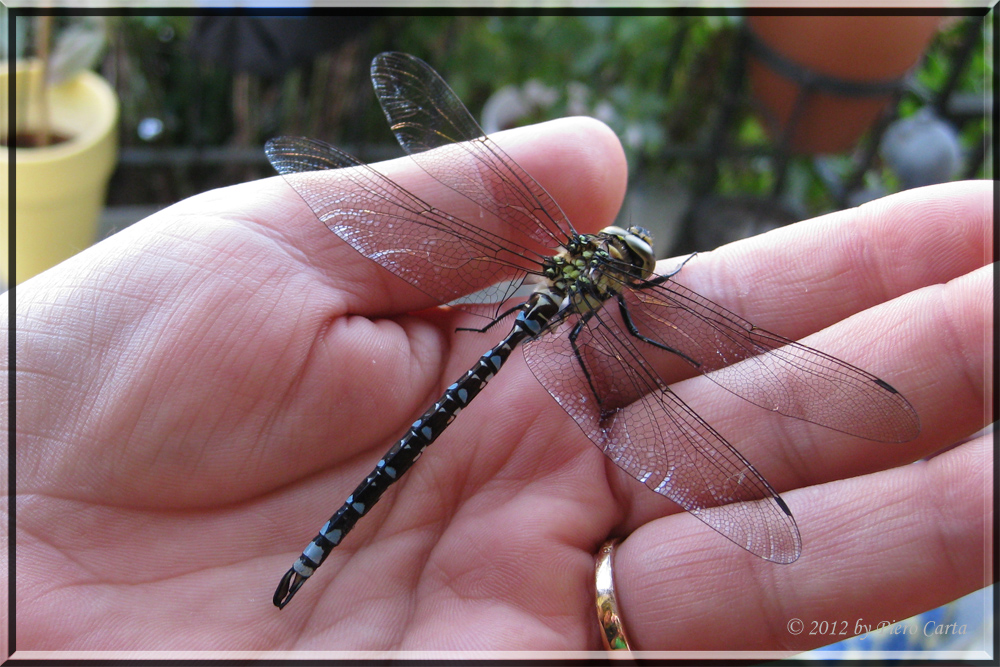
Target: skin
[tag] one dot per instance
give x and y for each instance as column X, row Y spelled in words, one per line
column 196, row 394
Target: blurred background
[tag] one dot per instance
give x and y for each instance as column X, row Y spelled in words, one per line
column 733, row 125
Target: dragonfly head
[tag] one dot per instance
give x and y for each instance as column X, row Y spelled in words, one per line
column 634, row 245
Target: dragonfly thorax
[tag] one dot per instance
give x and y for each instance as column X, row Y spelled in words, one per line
column 592, row 268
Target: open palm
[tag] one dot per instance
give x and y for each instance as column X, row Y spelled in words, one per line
column 198, row 393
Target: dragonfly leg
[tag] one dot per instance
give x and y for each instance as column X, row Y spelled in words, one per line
column 634, row 330
column 664, row 277
column 573, row 335
column 499, row 318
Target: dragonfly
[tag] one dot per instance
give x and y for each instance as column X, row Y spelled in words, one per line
column 595, row 332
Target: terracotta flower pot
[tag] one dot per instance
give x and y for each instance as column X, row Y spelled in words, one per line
column 59, row 189
column 867, row 54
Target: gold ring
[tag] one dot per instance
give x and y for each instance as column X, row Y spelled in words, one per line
column 612, row 630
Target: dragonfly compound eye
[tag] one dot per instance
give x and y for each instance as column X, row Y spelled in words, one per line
column 641, row 244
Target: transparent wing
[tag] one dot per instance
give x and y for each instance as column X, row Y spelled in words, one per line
column 769, row 370
column 648, row 432
column 435, row 128
column 443, row 256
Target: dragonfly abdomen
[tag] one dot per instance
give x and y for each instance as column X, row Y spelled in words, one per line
column 531, row 319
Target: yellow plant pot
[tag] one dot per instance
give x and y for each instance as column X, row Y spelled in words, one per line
column 59, row 190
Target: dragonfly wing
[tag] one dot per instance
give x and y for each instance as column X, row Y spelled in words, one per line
column 443, row 256
column 435, row 128
column 769, row 370
column 648, row 432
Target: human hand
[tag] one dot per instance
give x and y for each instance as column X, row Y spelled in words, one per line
column 199, row 392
